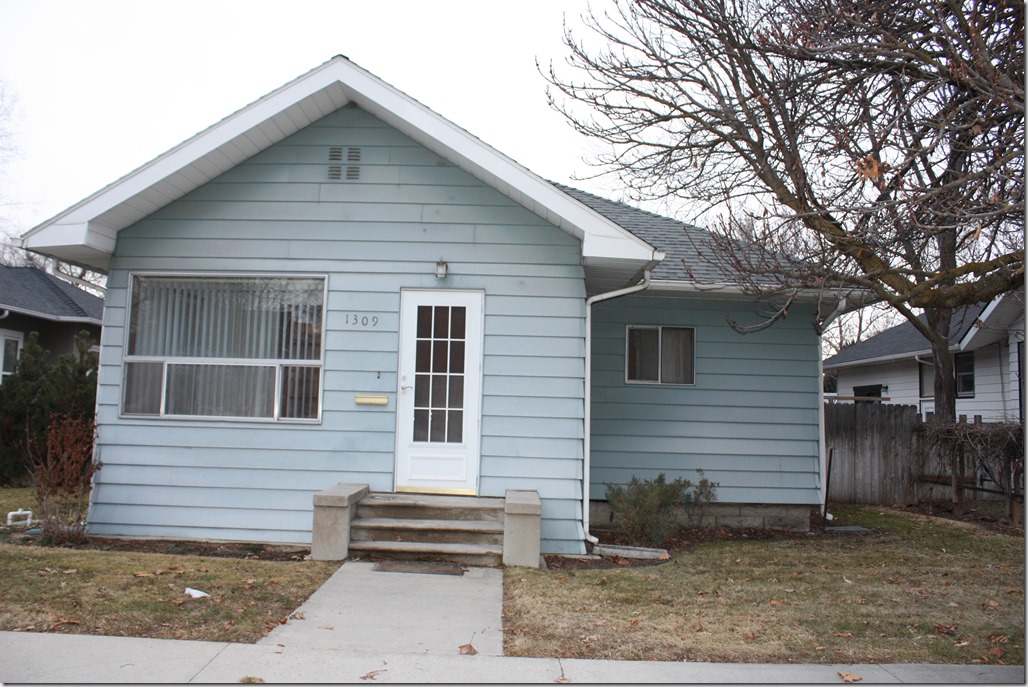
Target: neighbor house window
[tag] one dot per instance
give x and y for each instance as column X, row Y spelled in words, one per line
column 661, row 355
column 226, row 347
column 926, row 379
column 11, row 342
column 964, row 367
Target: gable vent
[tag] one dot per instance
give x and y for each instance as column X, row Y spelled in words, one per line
column 352, row 156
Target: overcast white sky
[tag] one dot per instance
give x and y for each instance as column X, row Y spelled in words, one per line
column 100, row 87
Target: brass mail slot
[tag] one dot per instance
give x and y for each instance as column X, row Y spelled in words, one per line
column 371, row 400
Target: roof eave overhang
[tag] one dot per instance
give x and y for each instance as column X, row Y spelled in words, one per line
column 50, row 317
column 86, row 233
column 881, row 360
column 730, row 289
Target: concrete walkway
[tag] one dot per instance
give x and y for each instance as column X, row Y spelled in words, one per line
column 371, row 625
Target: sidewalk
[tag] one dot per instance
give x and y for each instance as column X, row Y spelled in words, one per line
column 369, row 625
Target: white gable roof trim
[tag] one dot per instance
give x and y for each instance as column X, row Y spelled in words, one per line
column 86, row 232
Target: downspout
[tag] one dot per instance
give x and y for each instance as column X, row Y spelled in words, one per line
column 587, row 458
column 823, row 462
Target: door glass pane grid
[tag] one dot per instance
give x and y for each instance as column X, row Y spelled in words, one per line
column 439, row 374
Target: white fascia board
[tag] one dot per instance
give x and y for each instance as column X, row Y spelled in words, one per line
column 185, row 154
column 803, row 296
column 50, row 318
column 600, row 237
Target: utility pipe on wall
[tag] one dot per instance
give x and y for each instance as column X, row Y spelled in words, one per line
column 587, row 458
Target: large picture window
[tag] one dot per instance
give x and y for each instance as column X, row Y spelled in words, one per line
column 227, row 347
column 661, row 355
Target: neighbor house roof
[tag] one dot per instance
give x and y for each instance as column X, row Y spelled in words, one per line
column 903, row 341
column 85, row 233
column 31, row 291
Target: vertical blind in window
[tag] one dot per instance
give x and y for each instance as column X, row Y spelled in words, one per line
column 247, row 347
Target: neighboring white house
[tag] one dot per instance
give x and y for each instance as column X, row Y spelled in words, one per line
column 896, row 365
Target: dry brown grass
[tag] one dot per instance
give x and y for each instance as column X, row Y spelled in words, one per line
column 48, row 589
column 921, row 592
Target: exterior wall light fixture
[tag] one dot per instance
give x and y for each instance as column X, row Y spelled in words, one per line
column 440, row 269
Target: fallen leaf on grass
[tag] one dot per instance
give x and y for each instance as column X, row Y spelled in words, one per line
column 76, row 621
column 850, row 677
column 944, row 629
column 996, row 652
column 467, row 650
column 844, row 635
column 144, row 573
column 69, row 572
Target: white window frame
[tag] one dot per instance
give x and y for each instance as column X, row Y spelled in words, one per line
column 277, row 363
column 958, row 376
column 660, row 342
column 10, row 334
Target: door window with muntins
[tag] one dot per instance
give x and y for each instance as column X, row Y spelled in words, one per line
column 439, row 374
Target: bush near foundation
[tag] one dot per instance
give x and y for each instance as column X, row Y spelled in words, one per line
column 646, row 510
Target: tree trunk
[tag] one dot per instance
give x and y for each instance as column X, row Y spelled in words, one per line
column 945, row 375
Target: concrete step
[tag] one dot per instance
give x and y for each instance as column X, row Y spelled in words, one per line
column 430, row 507
column 421, row 530
column 465, row 554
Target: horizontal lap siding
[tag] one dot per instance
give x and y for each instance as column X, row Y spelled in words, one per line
column 278, row 213
column 992, row 379
column 750, row 421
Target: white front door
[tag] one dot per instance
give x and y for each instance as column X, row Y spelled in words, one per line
column 438, row 404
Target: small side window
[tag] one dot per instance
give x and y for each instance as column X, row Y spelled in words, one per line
column 964, row 364
column 661, row 355
column 11, row 342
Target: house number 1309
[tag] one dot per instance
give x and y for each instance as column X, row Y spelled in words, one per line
column 362, row 320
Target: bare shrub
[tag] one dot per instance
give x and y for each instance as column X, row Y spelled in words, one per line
column 62, row 475
column 994, row 452
column 646, row 509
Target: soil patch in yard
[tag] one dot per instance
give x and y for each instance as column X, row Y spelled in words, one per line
column 178, row 547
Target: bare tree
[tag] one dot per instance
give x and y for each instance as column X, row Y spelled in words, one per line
column 866, row 148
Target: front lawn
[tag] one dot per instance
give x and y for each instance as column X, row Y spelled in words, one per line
column 917, row 591
column 134, row 593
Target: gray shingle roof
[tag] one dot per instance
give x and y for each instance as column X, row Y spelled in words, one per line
column 680, row 241
column 905, row 339
column 33, row 291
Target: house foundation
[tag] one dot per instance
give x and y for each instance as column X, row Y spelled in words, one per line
column 790, row 518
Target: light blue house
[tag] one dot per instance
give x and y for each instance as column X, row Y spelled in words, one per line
column 335, row 284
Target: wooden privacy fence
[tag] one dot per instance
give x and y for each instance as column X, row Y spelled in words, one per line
column 873, row 450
